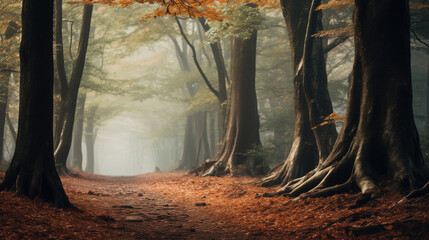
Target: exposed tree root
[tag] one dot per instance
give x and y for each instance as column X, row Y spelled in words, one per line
column 252, row 166
column 302, row 159
column 353, row 169
column 202, row 168
column 416, row 193
column 63, row 171
column 36, row 181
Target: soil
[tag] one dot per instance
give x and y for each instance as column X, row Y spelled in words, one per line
column 175, row 205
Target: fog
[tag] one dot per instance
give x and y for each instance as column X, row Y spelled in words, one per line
column 142, row 86
column 143, row 116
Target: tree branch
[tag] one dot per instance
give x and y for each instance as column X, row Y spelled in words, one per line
column 8, row 70
column 194, row 56
column 203, row 48
column 338, row 41
column 418, row 39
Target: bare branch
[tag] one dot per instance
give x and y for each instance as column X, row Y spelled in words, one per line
column 194, row 56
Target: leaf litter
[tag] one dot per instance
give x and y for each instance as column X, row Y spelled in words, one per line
column 175, row 205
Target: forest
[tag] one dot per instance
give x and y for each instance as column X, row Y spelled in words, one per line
column 226, row 119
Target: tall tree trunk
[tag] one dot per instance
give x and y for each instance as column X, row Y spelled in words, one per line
column 32, row 170
column 4, row 88
column 189, row 145
column 427, row 93
column 69, row 90
column 78, row 132
column 11, row 128
column 242, row 133
column 379, row 139
column 307, row 151
column 203, row 149
column 212, row 138
column 10, row 32
column 90, row 139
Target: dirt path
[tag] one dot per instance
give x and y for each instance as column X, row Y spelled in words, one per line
column 146, row 214
column 180, row 206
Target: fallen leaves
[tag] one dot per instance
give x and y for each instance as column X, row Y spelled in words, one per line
column 176, row 205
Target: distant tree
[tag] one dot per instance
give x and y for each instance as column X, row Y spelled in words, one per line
column 90, row 136
column 5, row 76
column 32, row 171
column 379, row 138
column 77, row 158
column 189, row 156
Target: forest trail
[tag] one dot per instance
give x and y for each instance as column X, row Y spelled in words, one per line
column 180, row 206
column 147, row 213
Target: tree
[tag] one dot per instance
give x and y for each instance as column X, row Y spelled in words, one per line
column 77, row 157
column 242, row 134
column 9, row 64
column 90, row 135
column 5, row 75
column 68, row 89
column 311, row 145
column 189, row 156
column 32, row 171
column 379, row 138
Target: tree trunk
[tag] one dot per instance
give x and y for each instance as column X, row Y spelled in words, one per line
column 69, row 91
column 78, row 132
column 379, row 139
column 10, row 32
column 4, row 88
column 90, row 139
column 212, row 131
column 307, row 151
column 427, row 93
column 189, row 145
column 32, row 170
column 11, row 128
column 242, row 133
column 203, row 149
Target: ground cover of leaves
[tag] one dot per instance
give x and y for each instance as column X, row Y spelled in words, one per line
column 176, row 205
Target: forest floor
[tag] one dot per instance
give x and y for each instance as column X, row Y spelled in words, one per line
column 175, row 205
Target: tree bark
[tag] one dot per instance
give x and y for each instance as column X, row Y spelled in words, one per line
column 312, row 103
column 32, row 170
column 315, row 83
column 379, row 139
column 427, row 93
column 69, row 90
column 242, row 133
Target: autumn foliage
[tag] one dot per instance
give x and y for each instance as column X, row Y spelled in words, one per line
column 212, row 10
